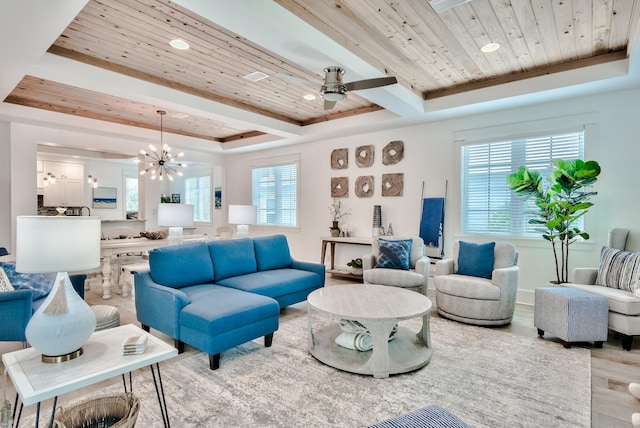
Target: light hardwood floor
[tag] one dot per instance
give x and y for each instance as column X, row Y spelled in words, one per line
column 611, row 368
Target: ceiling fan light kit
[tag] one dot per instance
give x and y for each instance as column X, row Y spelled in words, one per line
column 161, row 163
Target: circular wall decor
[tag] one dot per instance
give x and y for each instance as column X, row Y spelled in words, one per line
column 393, row 153
column 339, row 187
column 364, row 186
column 365, row 155
column 340, row 159
column 392, row 184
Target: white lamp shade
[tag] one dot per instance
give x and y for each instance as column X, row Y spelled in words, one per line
column 243, row 214
column 57, row 244
column 179, row 215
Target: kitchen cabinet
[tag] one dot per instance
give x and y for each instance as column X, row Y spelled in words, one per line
column 68, row 189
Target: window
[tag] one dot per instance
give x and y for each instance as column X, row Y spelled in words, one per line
column 198, row 194
column 131, row 194
column 275, row 193
column 488, row 204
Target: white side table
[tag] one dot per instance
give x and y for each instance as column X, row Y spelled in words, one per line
column 102, row 359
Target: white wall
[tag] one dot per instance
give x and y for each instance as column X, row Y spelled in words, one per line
column 432, row 157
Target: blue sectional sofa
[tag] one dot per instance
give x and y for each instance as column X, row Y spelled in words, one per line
column 219, row 294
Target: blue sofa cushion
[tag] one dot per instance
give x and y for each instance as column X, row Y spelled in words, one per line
column 232, row 257
column 178, row 266
column 272, row 252
column 40, row 284
column 215, row 309
column 476, row 259
column 274, row 283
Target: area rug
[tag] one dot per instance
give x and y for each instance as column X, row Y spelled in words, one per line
column 485, row 376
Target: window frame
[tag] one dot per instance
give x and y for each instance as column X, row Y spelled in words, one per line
column 280, row 161
column 528, row 132
column 199, row 175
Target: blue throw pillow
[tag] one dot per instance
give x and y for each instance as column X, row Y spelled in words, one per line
column 40, row 284
column 394, row 254
column 476, row 259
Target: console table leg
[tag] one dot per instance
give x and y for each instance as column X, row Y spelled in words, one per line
column 160, row 392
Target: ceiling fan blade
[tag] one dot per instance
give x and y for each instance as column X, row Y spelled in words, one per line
column 370, row 83
column 296, row 79
column 328, row 105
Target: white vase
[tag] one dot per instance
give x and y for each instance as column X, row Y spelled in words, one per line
column 64, row 321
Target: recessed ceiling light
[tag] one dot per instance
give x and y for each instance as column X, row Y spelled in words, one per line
column 490, row 47
column 179, row 44
column 309, row 97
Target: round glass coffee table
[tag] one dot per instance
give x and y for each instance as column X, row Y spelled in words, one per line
column 379, row 308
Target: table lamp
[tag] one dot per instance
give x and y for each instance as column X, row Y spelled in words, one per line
column 175, row 216
column 243, row 216
column 64, row 321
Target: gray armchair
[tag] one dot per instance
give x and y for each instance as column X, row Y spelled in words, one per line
column 416, row 278
column 475, row 300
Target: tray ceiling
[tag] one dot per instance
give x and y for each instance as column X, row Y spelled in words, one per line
column 432, row 55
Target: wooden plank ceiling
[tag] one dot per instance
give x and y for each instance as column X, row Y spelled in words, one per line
column 432, row 54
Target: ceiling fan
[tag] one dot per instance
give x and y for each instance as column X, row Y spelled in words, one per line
column 334, row 90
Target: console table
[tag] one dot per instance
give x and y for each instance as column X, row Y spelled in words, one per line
column 102, row 359
column 332, row 241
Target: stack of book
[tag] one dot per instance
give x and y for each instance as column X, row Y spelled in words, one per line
column 134, row 345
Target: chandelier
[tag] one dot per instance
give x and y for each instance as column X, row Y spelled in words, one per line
column 161, row 163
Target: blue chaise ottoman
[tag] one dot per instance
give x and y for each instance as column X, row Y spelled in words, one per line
column 572, row 315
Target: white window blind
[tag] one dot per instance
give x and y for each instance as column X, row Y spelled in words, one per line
column 275, row 193
column 198, row 193
column 488, row 205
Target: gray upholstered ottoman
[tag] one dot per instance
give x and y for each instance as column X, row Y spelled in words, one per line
column 571, row 315
column 427, row 417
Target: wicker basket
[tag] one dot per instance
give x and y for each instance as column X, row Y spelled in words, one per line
column 115, row 411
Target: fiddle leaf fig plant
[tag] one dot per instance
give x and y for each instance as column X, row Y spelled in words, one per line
column 560, row 202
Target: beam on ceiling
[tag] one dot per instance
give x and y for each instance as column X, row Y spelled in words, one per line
column 27, row 29
column 281, row 32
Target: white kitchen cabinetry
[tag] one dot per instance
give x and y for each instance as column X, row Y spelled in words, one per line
column 68, row 189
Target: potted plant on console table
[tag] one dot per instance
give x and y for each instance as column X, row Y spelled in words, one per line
column 335, row 209
column 559, row 204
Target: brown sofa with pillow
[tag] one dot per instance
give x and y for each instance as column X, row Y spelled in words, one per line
column 616, row 279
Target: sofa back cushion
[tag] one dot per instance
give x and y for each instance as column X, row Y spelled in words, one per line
column 232, row 257
column 178, row 266
column 272, row 252
column 618, row 269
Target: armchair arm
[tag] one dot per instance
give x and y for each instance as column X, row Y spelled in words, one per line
column 78, row 283
column 311, row 267
column 368, row 261
column 505, row 277
column 444, row 267
column 158, row 306
column 15, row 312
column 585, row 275
column 423, row 264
